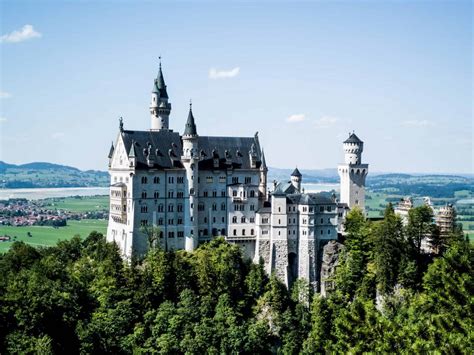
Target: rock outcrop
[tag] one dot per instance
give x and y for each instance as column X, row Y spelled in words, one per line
column 330, row 261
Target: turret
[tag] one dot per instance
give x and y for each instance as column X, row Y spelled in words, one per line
column 190, row 159
column 353, row 148
column 262, row 186
column 111, row 153
column 160, row 108
column 296, row 178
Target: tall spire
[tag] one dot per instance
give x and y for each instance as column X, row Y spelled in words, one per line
column 160, row 108
column 190, row 127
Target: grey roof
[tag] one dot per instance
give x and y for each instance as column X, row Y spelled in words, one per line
column 284, row 188
column 190, row 127
column 111, row 151
column 319, row 198
column 166, row 150
column 353, row 139
column 296, row 172
column 159, row 85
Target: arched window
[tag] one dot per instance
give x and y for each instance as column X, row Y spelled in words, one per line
column 251, row 232
column 234, row 219
column 252, row 193
column 235, row 232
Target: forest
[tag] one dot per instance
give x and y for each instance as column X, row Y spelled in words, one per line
column 80, row 297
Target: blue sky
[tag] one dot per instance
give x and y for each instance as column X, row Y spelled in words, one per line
column 398, row 73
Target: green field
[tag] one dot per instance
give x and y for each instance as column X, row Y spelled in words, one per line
column 47, row 236
column 79, row 204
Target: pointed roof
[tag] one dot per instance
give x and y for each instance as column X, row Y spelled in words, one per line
column 159, row 86
column 111, row 151
column 264, row 163
column 190, row 127
column 353, row 139
column 296, row 172
column 132, row 153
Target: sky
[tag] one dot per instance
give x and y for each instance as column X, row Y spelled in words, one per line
column 302, row 74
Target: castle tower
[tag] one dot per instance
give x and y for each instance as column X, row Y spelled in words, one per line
column 190, row 159
column 262, row 186
column 296, row 178
column 160, row 108
column 353, row 173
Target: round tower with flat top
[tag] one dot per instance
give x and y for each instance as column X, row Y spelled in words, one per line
column 353, row 173
column 190, row 159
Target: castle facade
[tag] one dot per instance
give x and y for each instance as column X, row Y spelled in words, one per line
column 185, row 189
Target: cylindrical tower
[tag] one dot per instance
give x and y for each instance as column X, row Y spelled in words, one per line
column 160, row 108
column 190, row 159
column 296, row 178
column 353, row 148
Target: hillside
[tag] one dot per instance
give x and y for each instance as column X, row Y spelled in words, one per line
column 43, row 175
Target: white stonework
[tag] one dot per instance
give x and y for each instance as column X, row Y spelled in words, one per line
column 194, row 188
column 353, row 173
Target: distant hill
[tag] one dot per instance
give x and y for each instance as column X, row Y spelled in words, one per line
column 42, row 175
column 309, row 176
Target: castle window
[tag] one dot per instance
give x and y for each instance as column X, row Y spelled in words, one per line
column 248, row 180
column 144, row 222
column 214, row 207
column 222, row 206
column 160, row 221
column 180, row 180
column 156, row 180
column 234, row 193
column 356, row 202
column 205, row 219
column 180, row 194
column 170, row 179
column 143, row 209
column 191, row 191
column 180, row 234
column 213, row 219
column 222, row 179
column 170, row 221
column 180, row 208
column 222, row 193
column 160, row 208
column 322, row 221
column 265, row 220
column 243, row 231
column 170, row 208
column 156, row 194
column 279, row 209
column 252, row 219
column 321, row 232
column 201, row 207
column 170, row 234
column 235, row 232
column 311, row 209
column 223, row 219
column 180, row 221
column 252, row 207
column 234, row 219
column 328, row 208
column 235, row 179
column 321, row 208
column 279, row 221
column 209, row 179
column 214, row 193
column 223, row 231
column 205, row 232
column 329, row 231
column 205, row 193
column 143, row 194
column 170, row 194
column 252, row 193
column 242, row 220
column 329, row 220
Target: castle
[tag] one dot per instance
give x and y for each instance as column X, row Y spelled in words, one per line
column 193, row 188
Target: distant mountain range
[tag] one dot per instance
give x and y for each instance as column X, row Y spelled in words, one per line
column 43, row 174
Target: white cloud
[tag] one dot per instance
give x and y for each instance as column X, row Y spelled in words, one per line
column 326, row 121
column 27, row 32
column 5, row 95
column 223, row 74
column 299, row 117
column 57, row 135
column 417, row 123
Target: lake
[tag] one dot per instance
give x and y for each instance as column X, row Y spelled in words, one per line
column 38, row 194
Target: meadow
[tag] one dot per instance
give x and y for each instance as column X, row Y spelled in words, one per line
column 48, row 236
column 79, row 203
